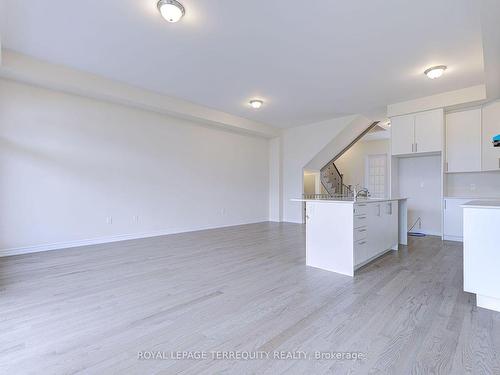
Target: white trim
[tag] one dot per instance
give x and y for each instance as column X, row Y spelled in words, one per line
column 453, row 238
column 468, row 96
column 108, row 239
column 22, row 68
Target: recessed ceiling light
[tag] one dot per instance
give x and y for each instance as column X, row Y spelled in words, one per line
column 256, row 103
column 171, row 10
column 435, row 71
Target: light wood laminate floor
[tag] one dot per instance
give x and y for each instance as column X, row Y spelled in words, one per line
column 246, row 288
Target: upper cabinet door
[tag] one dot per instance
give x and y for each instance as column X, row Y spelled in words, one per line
column 429, row 131
column 463, row 141
column 491, row 128
column 402, row 134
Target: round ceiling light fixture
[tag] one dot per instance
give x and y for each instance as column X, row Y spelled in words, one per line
column 171, row 10
column 435, row 71
column 256, row 103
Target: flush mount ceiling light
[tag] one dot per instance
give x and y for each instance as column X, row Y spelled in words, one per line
column 171, row 10
column 435, row 71
column 256, row 103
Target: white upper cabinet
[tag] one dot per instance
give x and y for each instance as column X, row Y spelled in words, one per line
column 429, row 131
column 402, row 134
column 491, row 128
column 463, row 141
column 417, row 133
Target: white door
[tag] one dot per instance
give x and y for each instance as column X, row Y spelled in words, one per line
column 429, row 131
column 491, row 128
column 376, row 175
column 463, row 141
column 402, row 134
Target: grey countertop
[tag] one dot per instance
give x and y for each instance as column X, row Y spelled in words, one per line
column 482, row 204
column 348, row 200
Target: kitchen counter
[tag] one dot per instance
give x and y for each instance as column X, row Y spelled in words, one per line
column 495, row 204
column 348, row 200
column 481, row 256
column 343, row 235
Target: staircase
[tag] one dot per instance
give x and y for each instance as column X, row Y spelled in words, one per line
column 331, row 178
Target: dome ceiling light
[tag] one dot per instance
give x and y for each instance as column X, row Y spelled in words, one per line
column 256, row 103
column 171, row 10
column 435, row 71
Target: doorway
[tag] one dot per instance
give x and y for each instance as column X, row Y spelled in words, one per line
column 376, row 175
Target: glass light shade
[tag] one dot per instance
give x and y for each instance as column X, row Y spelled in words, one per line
column 171, row 10
column 435, row 71
column 256, row 104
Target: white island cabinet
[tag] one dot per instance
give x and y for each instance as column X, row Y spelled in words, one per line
column 343, row 235
column 482, row 252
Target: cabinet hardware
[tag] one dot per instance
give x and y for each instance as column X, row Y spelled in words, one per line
column 361, row 230
column 416, row 147
column 361, row 243
column 413, row 147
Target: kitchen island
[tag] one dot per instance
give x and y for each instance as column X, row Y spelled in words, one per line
column 482, row 252
column 345, row 234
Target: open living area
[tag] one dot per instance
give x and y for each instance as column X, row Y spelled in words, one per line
column 230, row 187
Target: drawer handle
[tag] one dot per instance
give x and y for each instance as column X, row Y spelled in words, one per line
column 361, row 217
column 361, row 243
column 361, row 230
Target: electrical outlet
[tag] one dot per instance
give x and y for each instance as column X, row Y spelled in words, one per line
column 109, row 220
column 136, row 218
column 472, row 187
column 422, row 184
column 222, row 211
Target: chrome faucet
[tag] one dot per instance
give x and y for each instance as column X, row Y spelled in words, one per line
column 363, row 192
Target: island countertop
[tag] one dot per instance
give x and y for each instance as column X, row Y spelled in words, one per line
column 348, row 200
column 489, row 204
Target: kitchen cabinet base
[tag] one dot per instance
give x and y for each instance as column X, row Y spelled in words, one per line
column 489, row 303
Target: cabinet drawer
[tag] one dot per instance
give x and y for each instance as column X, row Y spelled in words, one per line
column 360, row 233
column 360, row 209
column 360, row 220
column 360, row 251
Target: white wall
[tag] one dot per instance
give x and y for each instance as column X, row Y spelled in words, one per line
column 275, row 180
column 306, row 147
column 67, row 163
column 352, row 163
column 309, row 183
column 473, row 185
column 420, row 181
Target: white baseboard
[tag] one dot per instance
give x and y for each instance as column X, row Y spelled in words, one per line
column 453, row 238
column 108, row 239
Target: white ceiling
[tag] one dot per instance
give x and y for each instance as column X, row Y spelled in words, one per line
column 309, row 60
